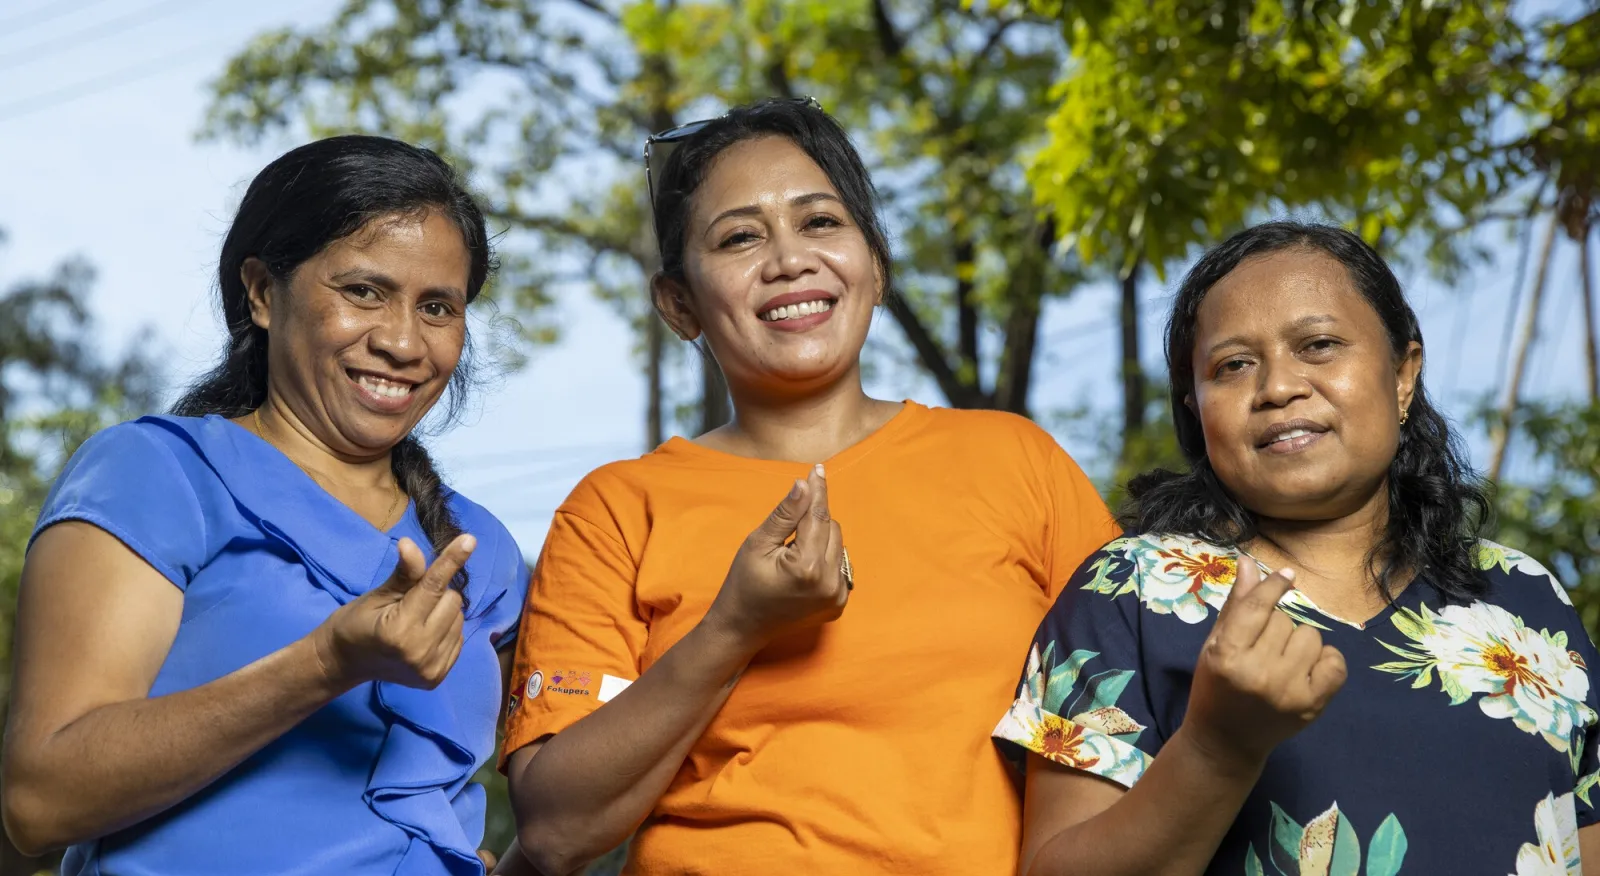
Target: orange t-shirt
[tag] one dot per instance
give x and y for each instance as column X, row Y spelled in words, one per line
column 870, row 752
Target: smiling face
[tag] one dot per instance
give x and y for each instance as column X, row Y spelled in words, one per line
column 780, row 279
column 365, row 335
column 1297, row 387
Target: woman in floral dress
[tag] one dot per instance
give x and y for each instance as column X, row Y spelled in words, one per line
column 1398, row 697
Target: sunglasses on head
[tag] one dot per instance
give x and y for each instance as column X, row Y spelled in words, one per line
column 659, row 146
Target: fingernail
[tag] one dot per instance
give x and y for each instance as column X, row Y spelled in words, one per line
column 1288, row 574
column 468, row 543
column 798, row 488
column 820, row 472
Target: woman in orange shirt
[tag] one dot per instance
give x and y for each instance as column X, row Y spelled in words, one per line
column 809, row 708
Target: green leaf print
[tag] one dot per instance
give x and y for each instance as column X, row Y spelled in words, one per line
column 1252, row 863
column 1062, row 679
column 1388, row 848
column 1102, row 690
column 1286, row 834
column 1113, row 562
column 1413, row 625
column 1585, row 785
column 1346, row 851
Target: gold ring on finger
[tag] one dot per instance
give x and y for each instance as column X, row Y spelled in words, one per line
column 845, row 569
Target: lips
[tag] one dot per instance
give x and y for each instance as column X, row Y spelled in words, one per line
column 1290, row 434
column 796, row 305
column 382, row 392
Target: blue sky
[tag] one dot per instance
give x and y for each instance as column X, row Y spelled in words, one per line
column 99, row 104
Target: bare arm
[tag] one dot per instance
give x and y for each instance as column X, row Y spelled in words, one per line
column 1589, row 849
column 583, row 791
column 1169, row 822
column 1259, row 680
column 88, row 751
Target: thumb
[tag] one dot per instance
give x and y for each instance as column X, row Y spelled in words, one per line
column 785, row 519
column 411, row 568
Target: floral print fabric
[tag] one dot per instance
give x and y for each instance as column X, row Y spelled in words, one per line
column 1462, row 742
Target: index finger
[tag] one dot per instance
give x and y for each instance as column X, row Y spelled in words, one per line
column 436, row 580
column 1246, row 613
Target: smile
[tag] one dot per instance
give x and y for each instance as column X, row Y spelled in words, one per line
column 796, row 311
column 385, row 394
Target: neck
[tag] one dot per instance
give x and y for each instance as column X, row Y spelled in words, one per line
column 279, row 426
column 806, row 429
column 1334, row 551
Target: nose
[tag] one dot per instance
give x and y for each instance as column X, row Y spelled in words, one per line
column 397, row 335
column 789, row 255
column 1280, row 381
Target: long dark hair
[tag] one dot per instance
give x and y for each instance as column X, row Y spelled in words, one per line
column 309, row 198
column 1437, row 505
column 803, row 124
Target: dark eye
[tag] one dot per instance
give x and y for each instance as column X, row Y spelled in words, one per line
column 823, row 220
column 1322, row 345
column 438, row 310
column 738, row 238
column 362, row 292
column 1232, row 366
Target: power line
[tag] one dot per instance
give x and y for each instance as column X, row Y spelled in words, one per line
column 97, row 84
column 16, row 23
column 109, row 27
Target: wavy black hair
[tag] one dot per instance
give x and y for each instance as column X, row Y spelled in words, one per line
column 807, row 126
column 1437, row 504
column 296, row 207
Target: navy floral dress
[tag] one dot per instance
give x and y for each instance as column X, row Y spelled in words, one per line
column 1462, row 743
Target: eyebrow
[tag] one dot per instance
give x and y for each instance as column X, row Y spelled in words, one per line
column 753, row 210
column 1302, row 323
column 378, row 278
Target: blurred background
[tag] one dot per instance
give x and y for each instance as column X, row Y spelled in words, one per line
column 1049, row 169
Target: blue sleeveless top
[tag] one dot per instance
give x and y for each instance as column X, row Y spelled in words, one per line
column 377, row 781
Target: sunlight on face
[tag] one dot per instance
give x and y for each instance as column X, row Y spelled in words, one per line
column 780, row 279
column 1297, row 387
column 367, row 335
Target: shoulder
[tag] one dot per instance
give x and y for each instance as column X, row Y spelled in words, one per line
column 986, row 426
column 145, row 460
column 1515, row 570
column 1187, row 578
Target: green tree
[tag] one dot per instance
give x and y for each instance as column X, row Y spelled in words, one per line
column 1176, row 122
column 549, row 104
column 55, row 391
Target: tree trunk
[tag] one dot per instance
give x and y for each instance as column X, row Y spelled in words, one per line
column 1133, row 383
column 966, row 312
column 655, row 349
column 715, row 408
column 1525, row 344
column 1592, row 346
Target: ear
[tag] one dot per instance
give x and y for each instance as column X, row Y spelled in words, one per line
column 671, row 299
column 258, row 290
column 1407, row 373
column 877, row 277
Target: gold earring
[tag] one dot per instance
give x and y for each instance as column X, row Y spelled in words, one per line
column 1404, row 415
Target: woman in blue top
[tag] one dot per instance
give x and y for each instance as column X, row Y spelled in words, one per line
column 259, row 635
column 1400, row 697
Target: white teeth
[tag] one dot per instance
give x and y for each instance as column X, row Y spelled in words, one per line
column 1291, row 435
column 384, row 388
column 794, row 311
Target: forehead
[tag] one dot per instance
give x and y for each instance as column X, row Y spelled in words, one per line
column 757, row 172
column 1268, row 291
column 422, row 240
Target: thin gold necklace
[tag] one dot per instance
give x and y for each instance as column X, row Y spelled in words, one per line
column 389, row 520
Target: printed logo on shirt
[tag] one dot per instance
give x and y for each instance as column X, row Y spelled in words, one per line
column 535, row 684
column 516, row 700
column 569, row 682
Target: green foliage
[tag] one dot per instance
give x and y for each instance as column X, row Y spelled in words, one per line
column 549, row 103
column 1554, row 515
column 1178, row 121
column 55, row 391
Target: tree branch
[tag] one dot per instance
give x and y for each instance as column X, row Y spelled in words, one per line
column 959, row 394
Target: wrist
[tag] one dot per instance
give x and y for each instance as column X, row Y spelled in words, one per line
column 1220, row 758
column 320, row 656
column 725, row 642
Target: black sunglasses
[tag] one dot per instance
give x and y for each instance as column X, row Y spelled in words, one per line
column 658, row 146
